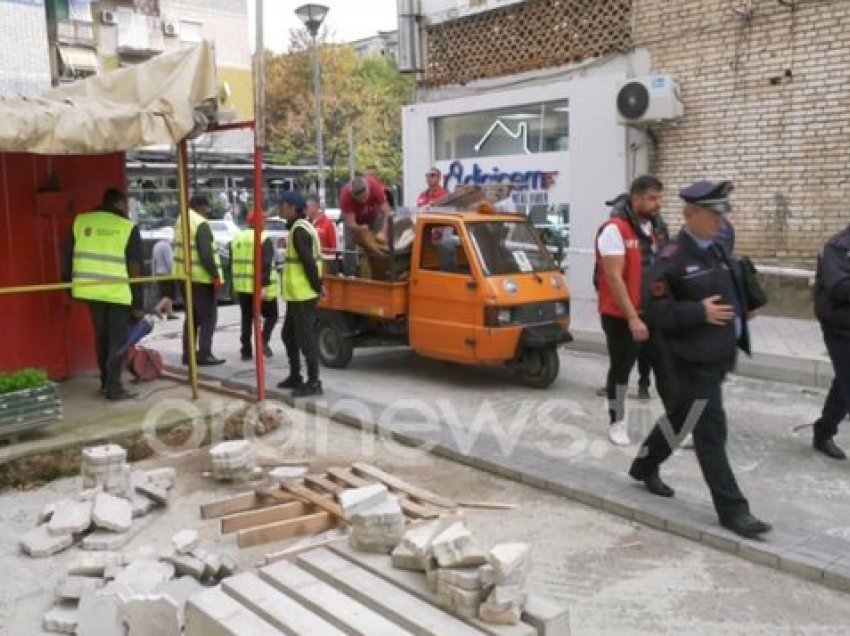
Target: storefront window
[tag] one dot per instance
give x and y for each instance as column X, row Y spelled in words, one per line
column 529, row 129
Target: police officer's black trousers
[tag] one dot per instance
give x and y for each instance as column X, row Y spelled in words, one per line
column 269, row 312
column 111, row 324
column 205, row 313
column 623, row 351
column 299, row 336
column 698, row 406
column 837, row 402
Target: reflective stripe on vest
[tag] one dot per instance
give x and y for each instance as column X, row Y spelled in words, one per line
column 242, row 265
column 199, row 272
column 272, row 292
column 100, row 247
column 296, row 285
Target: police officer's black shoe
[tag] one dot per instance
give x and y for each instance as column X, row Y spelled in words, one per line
column 307, row 390
column 291, row 382
column 209, row 361
column 829, row 448
column 120, row 395
column 246, row 355
column 653, row 483
column 746, row 525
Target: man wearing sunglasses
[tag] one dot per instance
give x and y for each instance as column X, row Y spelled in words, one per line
column 435, row 190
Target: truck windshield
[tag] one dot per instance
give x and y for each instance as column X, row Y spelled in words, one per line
column 509, row 247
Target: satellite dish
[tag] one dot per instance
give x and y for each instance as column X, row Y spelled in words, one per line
column 633, row 100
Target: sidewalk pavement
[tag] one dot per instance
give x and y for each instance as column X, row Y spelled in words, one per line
column 485, row 420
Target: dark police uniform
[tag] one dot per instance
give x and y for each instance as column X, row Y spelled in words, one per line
column 688, row 271
column 832, row 308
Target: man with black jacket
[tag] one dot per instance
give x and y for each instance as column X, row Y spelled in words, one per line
column 105, row 245
column 696, row 299
column 302, row 286
column 832, row 308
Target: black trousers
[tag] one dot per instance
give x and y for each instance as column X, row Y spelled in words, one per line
column 698, row 385
column 623, row 351
column 837, row 403
column 644, row 369
column 269, row 312
column 111, row 324
column 205, row 313
column 299, row 336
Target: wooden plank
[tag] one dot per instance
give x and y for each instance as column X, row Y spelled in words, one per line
column 394, row 483
column 264, row 516
column 239, row 503
column 308, row 524
column 320, row 501
column 321, row 483
column 410, row 508
column 487, row 505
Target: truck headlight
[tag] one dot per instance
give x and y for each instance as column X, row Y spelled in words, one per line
column 562, row 309
column 497, row 316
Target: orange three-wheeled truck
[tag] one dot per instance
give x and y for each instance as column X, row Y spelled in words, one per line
column 474, row 287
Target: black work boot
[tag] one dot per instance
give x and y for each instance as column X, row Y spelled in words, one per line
column 311, row 388
column 292, row 381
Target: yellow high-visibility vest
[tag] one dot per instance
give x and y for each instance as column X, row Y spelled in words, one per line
column 296, row 285
column 100, row 247
column 272, row 292
column 199, row 272
column 242, row 265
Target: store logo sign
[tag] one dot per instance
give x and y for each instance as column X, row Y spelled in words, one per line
column 525, row 180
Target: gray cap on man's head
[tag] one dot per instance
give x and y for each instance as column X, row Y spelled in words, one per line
column 712, row 195
column 359, row 185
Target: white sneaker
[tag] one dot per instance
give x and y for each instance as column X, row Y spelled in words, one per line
column 618, row 433
column 688, row 442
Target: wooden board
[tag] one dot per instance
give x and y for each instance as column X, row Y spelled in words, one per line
column 394, row 483
column 410, row 508
column 308, row 524
column 320, row 501
column 238, row 503
column 320, row 483
column 264, row 516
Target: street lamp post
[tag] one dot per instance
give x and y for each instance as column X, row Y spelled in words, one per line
column 312, row 15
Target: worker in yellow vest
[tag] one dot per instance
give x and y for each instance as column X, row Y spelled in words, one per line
column 106, row 246
column 242, row 267
column 206, row 278
column 302, row 286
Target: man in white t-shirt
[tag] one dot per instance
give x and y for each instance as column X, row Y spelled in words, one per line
column 625, row 249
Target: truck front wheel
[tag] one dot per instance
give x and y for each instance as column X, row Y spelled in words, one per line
column 335, row 346
column 538, row 367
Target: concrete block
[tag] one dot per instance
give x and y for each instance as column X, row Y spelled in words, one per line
column 511, row 563
column 181, row 590
column 275, row 607
column 61, row 619
column 141, row 505
column 100, row 612
column 214, row 613
column 406, row 559
column 151, row 615
column 70, row 517
column 454, row 547
column 185, row 541
column 504, row 606
column 144, row 577
column 386, row 512
column 94, row 564
column 463, row 578
column 463, row 602
column 112, row 513
column 106, row 540
column 418, row 539
column 154, row 490
column 284, row 473
column 187, row 565
column 546, row 616
column 104, row 455
column 72, row 588
column 166, row 475
column 356, row 500
column 38, row 542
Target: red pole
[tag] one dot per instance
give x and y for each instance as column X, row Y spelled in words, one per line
column 259, row 203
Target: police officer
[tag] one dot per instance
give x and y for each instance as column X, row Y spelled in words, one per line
column 695, row 298
column 206, row 278
column 105, row 245
column 242, row 264
column 832, row 308
column 302, row 286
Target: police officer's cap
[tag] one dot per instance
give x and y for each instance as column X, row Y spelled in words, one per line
column 293, row 198
column 713, row 195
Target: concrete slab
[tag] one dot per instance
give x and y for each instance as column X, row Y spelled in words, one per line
column 70, row 517
column 549, row 618
column 39, row 543
column 93, row 563
column 275, row 607
column 152, row 615
column 105, row 540
column 100, row 613
column 214, row 613
column 401, row 607
column 356, row 500
column 327, row 601
column 145, row 577
column 61, row 619
column 185, row 541
column 112, row 513
column 73, row 587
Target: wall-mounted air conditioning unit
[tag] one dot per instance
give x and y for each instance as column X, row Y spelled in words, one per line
column 108, row 17
column 170, row 28
column 648, row 100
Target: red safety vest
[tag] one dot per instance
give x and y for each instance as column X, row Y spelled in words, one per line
column 632, row 270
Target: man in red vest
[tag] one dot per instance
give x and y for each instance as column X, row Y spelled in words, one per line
column 626, row 246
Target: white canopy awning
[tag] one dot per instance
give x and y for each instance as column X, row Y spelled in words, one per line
column 160, row 101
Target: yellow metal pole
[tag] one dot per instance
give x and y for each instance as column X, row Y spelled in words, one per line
column 46, row 287
column 183, row 167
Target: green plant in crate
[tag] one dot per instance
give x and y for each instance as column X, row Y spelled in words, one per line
column 23, row 379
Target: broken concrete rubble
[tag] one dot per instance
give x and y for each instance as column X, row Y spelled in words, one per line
column 378, row 528
column 40, row 543
column 152, row 615
column 72, row 587
column 70, row 517
column 185, row 541
column 454, row 547
column 233, row 461
column 112, row 513
column 356, row 500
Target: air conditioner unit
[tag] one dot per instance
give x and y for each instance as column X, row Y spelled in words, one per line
column 170, row 28
column 647, row 100
column 108, row 17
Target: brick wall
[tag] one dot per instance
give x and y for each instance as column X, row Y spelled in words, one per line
column 24, row 61
column 767, row 104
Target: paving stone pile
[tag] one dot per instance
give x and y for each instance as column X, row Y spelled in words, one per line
column 468, row 581
column 377, row 521
column 235, row 460
column 101, row 516
column 102, row 594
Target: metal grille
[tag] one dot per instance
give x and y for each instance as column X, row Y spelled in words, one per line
column 534, row 313
column 527, row 36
